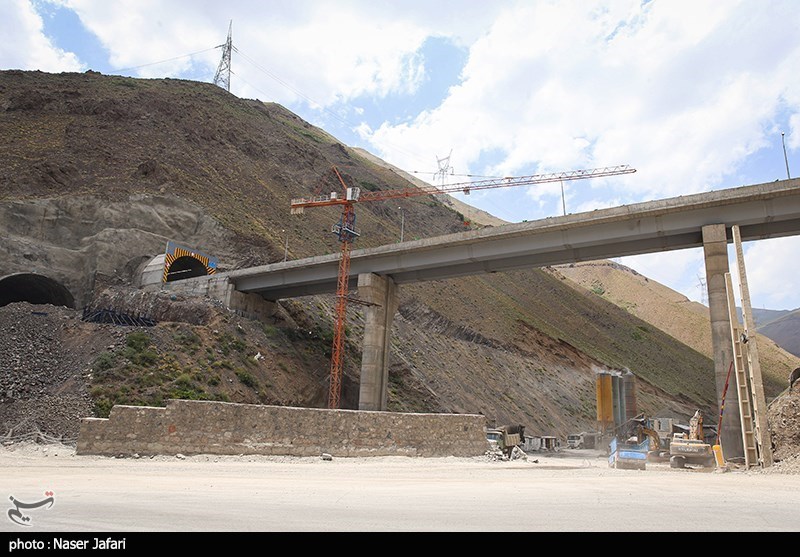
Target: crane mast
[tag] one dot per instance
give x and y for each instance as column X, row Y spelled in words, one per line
column 346, row 232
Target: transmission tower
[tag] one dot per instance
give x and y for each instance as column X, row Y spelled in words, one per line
column 223, row 75
column 444, row 168
column 703, row 291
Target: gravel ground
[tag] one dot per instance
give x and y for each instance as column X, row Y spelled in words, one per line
column 42, row 389
column 566, row 491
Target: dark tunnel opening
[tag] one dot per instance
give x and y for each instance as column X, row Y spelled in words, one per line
column 186, row 267
column 34, row 289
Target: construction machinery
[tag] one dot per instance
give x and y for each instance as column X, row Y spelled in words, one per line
column 691, row 448
column 630, row 453
column 575, row 441
column 657, row 450
column 506, row 438
column 347, row 232
column 641, row 436
column 641, row 428
column 582, row 440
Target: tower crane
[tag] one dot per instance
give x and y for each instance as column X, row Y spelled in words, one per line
column 347, row 232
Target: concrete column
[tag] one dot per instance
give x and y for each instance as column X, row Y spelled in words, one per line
column 715, row 247
column 374, row 382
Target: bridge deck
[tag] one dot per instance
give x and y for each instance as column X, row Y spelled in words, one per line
column 762, row 211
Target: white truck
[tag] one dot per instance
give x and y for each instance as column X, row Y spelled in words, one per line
column 575, row 441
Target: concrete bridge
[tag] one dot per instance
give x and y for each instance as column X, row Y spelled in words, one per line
column 701, row 220
column 762, row 211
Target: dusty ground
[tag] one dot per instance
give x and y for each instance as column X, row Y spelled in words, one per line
column 566, row 491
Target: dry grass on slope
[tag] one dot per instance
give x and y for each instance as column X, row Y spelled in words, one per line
column 671, row 312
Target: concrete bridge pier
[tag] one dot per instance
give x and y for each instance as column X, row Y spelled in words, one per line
column 382, row 292
column 715, row 247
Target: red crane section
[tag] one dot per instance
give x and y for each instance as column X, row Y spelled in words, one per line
column 346, row 231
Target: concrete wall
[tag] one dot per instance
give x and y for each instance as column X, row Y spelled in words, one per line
column 153, row 272
column 199, row 427
column 220, row 288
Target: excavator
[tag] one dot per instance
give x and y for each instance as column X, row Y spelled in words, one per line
column 643, row 443
column 635, row 444
column 691, row 449
column 657, row 450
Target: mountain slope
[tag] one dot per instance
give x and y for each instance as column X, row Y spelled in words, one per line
column 673, row 313
column 784, row 331
column 763, row 317
column 519, row 347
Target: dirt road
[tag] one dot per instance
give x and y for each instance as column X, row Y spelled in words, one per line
column 559, row 493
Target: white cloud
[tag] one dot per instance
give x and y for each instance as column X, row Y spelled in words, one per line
column 559, row 85
column 138, row 32
column 772, row 271
column 681, row 270
column 595, row 204
column 25, row 45
column 315, row 52
column 682, row 90
column 793, row 137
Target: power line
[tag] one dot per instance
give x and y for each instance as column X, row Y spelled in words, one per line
column 169, row 59
column 224, row 71
column 313, row 101
column 451, row 174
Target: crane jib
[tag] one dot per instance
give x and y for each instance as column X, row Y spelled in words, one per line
column 346, row 232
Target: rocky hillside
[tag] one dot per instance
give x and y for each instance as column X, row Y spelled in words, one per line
column 785, row 331
column 673, row 313
column 98, row 172
column 763, row 317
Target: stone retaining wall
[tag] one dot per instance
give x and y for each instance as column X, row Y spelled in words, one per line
column 219, row 287
column 199, row 427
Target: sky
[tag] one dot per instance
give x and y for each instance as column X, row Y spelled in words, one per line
column 693, row 94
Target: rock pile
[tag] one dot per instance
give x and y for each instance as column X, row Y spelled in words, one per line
column 41, row 385
column 784, row 421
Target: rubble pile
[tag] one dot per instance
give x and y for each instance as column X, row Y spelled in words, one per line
column 41, row 387
column 784, row 420
column 496, row 454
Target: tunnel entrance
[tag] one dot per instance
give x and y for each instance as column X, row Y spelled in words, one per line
column 186, row 267
column 183, row 263
column 34, row 289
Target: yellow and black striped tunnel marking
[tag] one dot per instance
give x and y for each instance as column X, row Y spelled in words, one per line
column 176, row 253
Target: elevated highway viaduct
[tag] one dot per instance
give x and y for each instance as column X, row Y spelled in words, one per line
column 761, row 211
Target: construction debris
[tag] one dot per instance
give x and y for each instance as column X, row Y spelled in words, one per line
column 495, row 454
column 784, row 420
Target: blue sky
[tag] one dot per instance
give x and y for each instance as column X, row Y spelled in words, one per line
column 693, row 94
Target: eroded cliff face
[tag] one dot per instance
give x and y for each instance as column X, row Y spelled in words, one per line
column 75, row 240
